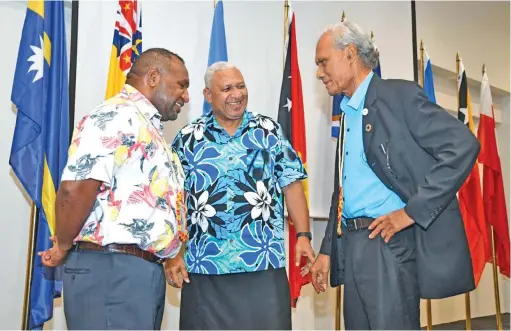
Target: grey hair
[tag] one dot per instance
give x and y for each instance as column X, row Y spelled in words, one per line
column 217, row 66
column 346, row 33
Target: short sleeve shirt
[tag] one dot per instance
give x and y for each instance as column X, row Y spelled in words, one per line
column 234, row 184
column 120, row 143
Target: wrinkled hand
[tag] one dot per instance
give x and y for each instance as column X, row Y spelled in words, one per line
column 175, row 271
column 304, row 249
column 55, row 255
column 319, row 272
column 390, row 224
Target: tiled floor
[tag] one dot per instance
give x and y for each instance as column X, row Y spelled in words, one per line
column 481, row 323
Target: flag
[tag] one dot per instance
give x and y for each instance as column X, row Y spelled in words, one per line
column 429, row 87
column 493, row 187
column 336, row 115
column 469, row 195
column 336, row 103
column 126, row 45
column 41, row 136
column 217, row 44
column 291, row 119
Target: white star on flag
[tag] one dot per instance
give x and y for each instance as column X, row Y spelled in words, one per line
column 288, row 105
column 37, row 60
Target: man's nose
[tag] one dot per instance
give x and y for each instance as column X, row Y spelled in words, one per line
column 236, row 94
column 319, row 73
column 186, row 96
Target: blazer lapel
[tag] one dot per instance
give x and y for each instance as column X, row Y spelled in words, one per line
column 369, row 119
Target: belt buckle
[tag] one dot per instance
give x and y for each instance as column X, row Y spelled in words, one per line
column 356, row 223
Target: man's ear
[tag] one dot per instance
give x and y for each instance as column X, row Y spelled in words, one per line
column 207, row 94
column 153, row 77
column 351, row 53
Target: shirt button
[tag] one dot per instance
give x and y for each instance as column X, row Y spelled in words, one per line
column 230, row 158
column 348, row 130
column 230, row 219
column 230, row 241
column 344, row 177
column 346, row 153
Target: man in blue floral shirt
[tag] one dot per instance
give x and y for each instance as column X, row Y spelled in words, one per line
column 237, row 164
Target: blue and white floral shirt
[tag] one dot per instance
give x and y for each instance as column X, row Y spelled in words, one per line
column 234, row 198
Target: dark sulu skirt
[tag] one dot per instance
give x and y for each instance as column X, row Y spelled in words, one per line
column 242, row 301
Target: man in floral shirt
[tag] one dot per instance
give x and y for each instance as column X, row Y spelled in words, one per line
column 119, row 205
column 237, row 164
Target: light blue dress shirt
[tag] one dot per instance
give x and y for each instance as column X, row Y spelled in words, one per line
column 364, row 193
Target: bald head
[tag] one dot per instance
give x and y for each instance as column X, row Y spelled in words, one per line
column 161, row 76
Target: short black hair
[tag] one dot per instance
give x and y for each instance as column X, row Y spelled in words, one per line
column 158, row 57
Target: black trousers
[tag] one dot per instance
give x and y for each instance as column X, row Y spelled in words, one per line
column 381, row 289
column 241, row 301
column 104, row 291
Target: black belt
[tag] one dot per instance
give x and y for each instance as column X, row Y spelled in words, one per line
column 358, row 223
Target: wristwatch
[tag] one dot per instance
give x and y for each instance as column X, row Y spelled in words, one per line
column 304, row 234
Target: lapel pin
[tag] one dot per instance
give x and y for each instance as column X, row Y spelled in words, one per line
column 368, row 127
column 365, row 111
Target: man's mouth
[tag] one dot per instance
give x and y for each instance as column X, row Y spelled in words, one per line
column 178, row 107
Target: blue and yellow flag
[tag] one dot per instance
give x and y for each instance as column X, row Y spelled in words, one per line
column 41, row 136
column 126, row 45
column 217, row 44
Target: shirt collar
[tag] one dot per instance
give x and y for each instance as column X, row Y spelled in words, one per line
column 144, row 105
column 359, row 96
column 212, row 123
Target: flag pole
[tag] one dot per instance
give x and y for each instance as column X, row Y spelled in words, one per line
column 338, row 297
column 28, row 271
column 421, row 64
column 494, row 265
column 429, row 319
column 214, row 3
column 286, row 23
column 495, row 282
column 468, row 320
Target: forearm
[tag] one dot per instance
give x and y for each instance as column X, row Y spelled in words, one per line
column 454, row 148
column 74, row 203
column 297, row 206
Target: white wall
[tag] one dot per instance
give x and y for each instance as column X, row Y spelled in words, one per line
column 479, row 30
column 254, row 39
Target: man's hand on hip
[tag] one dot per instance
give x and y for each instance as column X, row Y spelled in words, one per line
column 175, row 271
column 319, row 272
column 390, row 224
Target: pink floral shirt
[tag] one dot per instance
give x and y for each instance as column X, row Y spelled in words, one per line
column 121, row 144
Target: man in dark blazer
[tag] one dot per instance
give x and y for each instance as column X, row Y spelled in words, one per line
column 395, row 232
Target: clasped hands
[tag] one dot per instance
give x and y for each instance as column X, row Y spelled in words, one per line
column 386, row 226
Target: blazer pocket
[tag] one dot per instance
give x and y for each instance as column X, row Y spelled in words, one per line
column 387, row 149
column 77, row 271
